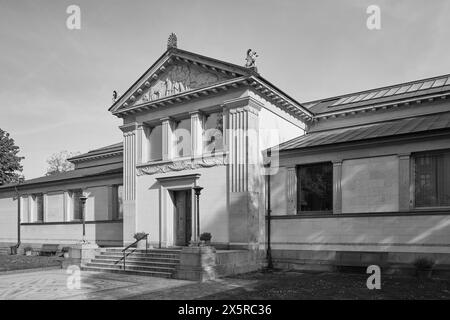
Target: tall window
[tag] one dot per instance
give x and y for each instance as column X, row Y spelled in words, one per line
column 432, row 180
column 213, row 133
column 155, row 145
column 182, row 143
column 314, row 190
column 77, row 209
column 39, row 201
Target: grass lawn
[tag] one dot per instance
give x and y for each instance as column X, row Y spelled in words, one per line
column 19, row 262
column 295, row 285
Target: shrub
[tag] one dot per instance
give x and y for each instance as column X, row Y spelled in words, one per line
column 424, row 263
column 28, row 249
column 205, row 236
column 139, row 235
column 65, row 249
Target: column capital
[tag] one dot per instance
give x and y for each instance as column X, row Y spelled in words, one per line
column 196, row 112
column 166, row 119
column 129, row 127
column 337, row 162
column 243, row 103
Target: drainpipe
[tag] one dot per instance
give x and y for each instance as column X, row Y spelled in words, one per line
column 18, row 220
column 268, row 211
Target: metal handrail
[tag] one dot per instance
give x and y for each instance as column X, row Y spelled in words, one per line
column 125, row 250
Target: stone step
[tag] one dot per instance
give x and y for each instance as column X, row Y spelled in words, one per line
column 131, row 272
column 143, row 251
column 139, row 259
column 134, row 263
column 142, row 255
column 131, row 267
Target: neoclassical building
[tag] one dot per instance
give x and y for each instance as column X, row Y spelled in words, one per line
column 365, row 172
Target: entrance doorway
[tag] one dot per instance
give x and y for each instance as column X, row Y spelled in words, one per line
column 182, row 217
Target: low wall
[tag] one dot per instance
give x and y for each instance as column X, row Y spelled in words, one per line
column 313, row 243
column 387, row 233
column 108, row 233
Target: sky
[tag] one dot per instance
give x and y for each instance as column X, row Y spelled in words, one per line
column 56, row 84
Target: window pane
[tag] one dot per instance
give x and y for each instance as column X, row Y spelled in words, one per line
column 77, row 214
column 213, row 133
column 40, row 208
column 315, row 191
column 432, row 180
column 155, row 147
column 182, row 143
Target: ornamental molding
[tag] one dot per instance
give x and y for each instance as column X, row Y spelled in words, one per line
column 180, row 165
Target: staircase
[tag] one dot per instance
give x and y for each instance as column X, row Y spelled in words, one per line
column 154, row 263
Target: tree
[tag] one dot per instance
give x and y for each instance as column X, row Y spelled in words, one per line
column 57, row 163
column 10, row 167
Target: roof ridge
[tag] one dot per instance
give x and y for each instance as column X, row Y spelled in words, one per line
column 376, row 89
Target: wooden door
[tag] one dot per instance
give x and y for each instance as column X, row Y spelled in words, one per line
column 183, row 217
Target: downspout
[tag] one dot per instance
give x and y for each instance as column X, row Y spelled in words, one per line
column 268, row 211
column 18, row 220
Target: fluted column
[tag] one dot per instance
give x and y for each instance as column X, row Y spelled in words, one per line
column 245, row 182
column 129, row 180
column 167, row 138
column 404, row 182
column 337, row 186
column 291, row 188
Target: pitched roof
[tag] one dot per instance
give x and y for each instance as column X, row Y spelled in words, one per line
column 400, row 91
column 113, row 148
column 236, row 76
column 371, row 131
column 74, row 174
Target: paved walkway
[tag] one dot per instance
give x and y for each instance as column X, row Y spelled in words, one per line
column 52, row 285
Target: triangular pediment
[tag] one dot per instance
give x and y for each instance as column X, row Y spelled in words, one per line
column 178, row 78
column 175, row 73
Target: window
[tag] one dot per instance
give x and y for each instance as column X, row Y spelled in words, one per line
column 155, row 143
column 213, row 133
column 315, row 192
column 182, row 143
column 118, row 202
column 432, row 180
column 39, row 203
column 77, row 213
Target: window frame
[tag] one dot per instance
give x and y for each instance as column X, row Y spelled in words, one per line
column 299, row 212
column 414, row 156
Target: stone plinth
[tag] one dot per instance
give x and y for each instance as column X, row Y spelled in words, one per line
column 205, row 263
column 82, row 253
column 197, row 263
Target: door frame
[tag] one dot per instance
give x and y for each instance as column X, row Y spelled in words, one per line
column 166, row 219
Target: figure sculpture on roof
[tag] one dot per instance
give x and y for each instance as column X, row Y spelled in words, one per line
column 250, row 59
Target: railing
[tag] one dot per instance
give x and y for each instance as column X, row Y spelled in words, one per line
column 124, row 251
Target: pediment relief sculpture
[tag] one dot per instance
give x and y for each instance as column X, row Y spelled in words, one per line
column 177, row 79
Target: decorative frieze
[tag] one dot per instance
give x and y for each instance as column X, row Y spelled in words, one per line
column 180, row 165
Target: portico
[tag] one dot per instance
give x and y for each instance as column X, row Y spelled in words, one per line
column 192, row 120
